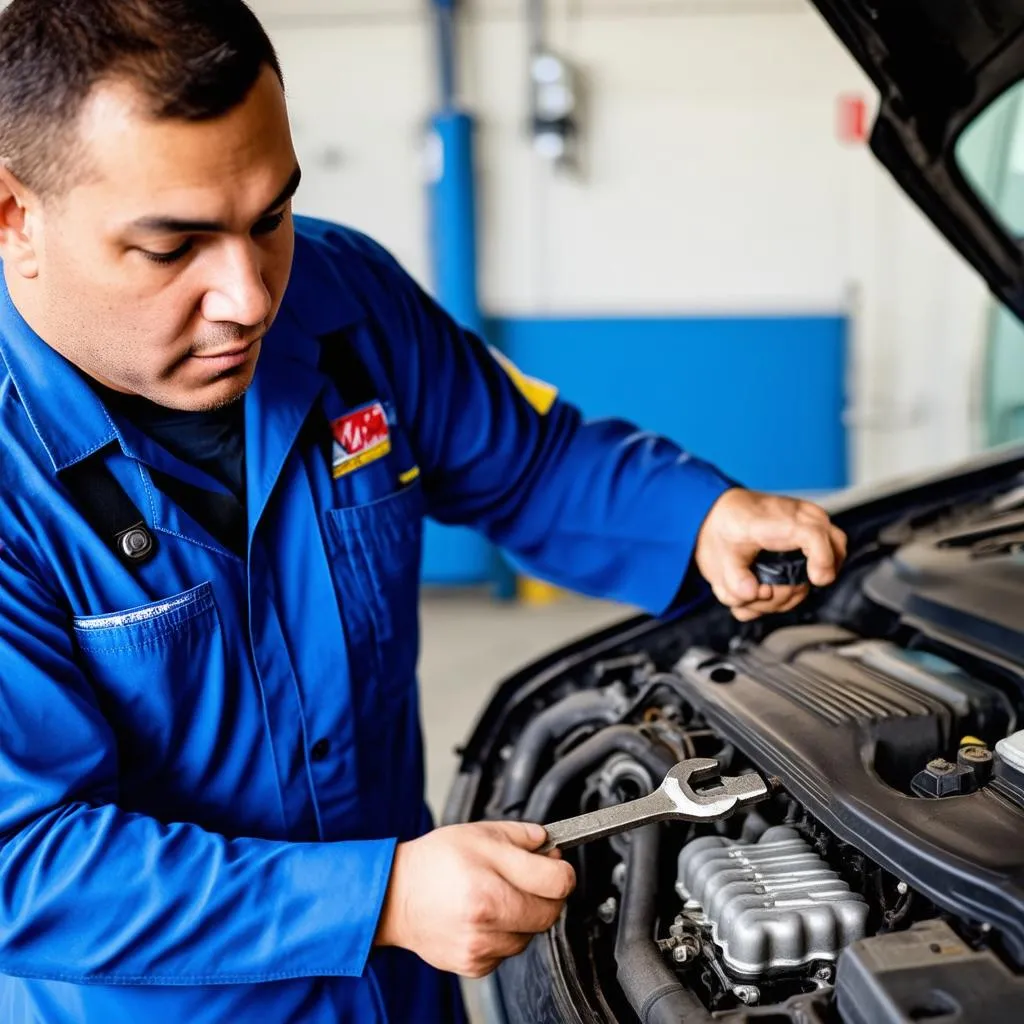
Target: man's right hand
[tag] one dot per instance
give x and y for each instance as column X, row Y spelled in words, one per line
column 467, row 897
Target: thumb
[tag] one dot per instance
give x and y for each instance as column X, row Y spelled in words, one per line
column 524, row 834
column 739, row 580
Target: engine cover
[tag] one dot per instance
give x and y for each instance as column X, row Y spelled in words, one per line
column 964, row 584
column 772, row 905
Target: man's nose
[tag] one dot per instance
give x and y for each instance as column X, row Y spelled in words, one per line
column 237, row 292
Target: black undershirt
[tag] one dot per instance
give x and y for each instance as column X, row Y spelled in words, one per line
column 211, row 441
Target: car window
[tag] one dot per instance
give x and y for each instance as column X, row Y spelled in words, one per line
column 990, row 155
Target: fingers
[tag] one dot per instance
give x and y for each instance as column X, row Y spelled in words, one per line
column 530, row 889
column 547, row 877
column 840, row 543
column 511, row 911
column 816, row 541
column 782, row 600
column 499, row 949
column 499, row 906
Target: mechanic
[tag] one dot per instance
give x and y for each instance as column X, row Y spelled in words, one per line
column 221, row 429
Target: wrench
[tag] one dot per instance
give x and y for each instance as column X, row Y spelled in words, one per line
column 674, row 800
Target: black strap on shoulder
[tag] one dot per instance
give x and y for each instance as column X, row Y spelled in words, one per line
column 340, row 363
column 109, row 510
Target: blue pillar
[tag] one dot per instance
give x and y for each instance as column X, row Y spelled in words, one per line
column 456, row 555
column 453, row 220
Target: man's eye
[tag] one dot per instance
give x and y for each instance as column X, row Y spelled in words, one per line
column 269, row 225
column 166, row 258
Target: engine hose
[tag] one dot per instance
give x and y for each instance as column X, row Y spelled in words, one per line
column 582, row 708
column 616, row 739
column 645, row 978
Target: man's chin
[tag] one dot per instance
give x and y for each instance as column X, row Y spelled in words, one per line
column 225, row 392
column 213, row 393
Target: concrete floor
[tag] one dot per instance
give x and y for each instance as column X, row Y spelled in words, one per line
column 470, row 643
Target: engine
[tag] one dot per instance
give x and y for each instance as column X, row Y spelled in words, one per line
column 862, row 841
column 885, row 875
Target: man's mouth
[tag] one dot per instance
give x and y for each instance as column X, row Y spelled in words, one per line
column 228, row 357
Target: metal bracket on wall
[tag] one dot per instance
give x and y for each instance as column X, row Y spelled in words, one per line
column 554, row 97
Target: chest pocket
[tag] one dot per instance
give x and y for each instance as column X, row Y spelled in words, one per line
column 149, row 664
column 376, row 551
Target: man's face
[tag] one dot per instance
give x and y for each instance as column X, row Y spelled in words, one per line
column 160, row 271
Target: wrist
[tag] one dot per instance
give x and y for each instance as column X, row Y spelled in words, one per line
column 725, row 501
column 389, row 927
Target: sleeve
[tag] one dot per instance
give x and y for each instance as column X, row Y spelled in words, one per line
column 600, row 507
column 92, row 894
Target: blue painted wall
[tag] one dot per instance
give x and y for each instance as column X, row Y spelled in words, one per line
column 762, row 397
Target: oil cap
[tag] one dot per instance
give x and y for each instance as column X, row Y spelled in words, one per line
column 977, row 757
column 781, row 568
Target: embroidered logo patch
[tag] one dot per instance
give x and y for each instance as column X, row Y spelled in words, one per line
column 360, row 438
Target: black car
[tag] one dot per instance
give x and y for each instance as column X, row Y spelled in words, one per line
column 883, row 881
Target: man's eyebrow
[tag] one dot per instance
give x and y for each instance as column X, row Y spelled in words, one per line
column 175, row 226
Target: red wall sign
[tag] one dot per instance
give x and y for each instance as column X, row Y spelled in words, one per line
column 852, row 119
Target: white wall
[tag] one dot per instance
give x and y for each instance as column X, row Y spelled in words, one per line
column 715, row 183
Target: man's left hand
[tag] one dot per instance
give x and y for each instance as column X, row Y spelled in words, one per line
column 741, row 525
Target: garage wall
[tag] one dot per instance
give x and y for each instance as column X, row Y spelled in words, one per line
column 714, row 185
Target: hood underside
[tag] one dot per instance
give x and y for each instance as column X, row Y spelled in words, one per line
column 937, row 65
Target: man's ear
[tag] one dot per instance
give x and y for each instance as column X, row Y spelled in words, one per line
column 17, row 248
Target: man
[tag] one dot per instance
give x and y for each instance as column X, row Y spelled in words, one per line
column 221, row 430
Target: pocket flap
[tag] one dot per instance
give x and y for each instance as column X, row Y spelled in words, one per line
column 145, row 622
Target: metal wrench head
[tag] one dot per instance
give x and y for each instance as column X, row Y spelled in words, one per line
column 717, row 802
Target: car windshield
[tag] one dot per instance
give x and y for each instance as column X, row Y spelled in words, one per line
column 990, row 154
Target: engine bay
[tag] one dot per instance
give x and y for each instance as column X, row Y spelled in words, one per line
column 883, row 878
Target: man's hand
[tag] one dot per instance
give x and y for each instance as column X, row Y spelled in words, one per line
column 467, row 897
column 741, row 525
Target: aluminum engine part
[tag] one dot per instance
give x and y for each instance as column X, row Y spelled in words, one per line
column 771, row 905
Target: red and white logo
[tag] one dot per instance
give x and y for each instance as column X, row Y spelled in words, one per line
column 361, row 437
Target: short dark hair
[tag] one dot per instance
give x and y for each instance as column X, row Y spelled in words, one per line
column 193, row 60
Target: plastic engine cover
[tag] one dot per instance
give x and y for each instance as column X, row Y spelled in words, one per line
column 772, row 905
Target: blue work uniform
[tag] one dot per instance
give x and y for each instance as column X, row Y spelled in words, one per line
column 206, row 760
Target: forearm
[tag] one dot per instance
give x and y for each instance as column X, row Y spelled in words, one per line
column 609, row 511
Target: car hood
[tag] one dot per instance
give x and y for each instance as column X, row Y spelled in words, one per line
column 937, row 65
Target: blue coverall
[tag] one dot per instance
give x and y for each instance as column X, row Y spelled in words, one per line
column 171, row 848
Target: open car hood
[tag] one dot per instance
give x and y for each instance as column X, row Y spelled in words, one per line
column 937, row 65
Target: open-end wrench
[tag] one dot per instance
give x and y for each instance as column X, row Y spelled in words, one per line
column 674, row 800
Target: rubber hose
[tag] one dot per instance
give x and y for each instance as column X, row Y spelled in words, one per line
column 570, row 713
column 650, row 985
column 616, row 739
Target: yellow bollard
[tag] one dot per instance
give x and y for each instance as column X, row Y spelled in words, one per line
column 536, row 593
